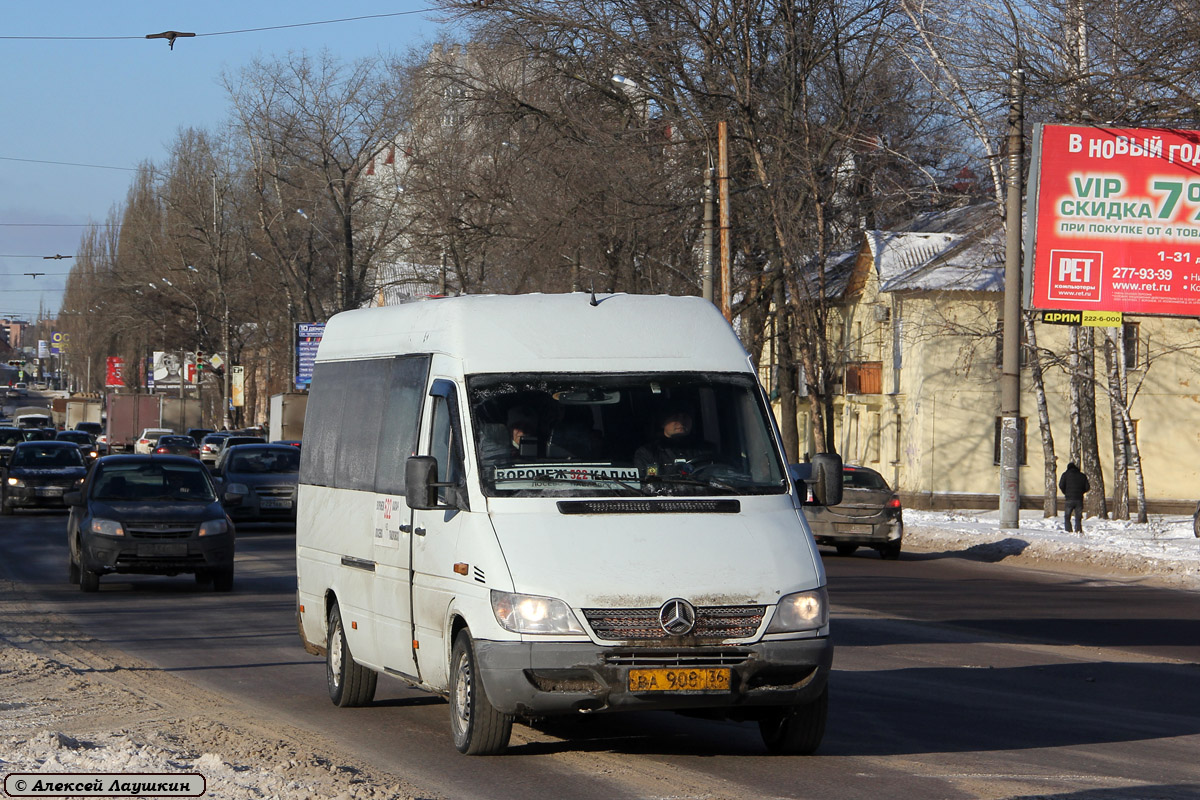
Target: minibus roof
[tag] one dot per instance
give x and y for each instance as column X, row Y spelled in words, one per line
column 545, row 333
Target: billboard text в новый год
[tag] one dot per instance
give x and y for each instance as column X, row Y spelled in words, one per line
column 1117, row 216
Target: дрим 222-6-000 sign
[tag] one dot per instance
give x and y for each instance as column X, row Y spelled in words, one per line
column 1116, row 216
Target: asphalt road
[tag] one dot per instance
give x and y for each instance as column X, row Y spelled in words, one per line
column 952, row 679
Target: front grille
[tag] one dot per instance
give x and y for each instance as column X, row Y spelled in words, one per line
column 699, row 658
column 165, row 530
column 712, row 622
column 275, row 491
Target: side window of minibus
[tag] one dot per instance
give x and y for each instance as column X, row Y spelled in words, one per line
column 446, row 443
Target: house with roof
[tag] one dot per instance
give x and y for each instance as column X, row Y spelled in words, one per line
column 916, row 332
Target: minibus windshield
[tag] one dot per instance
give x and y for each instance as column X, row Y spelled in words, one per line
column 623, row 435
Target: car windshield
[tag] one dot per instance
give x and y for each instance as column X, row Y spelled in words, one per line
column 78, row 437
column 623, row 435
column 8, row 438
column 255, row 461
column 863, row 479
column 46, row 457
column 153, row 481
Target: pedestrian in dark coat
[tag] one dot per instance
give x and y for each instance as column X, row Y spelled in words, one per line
column 1074, row 485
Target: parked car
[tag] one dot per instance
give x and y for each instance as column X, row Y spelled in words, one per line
column 38, row 474
column 210, row 445
column 83, row 440
column 176, row 445
column 149, row 515
column 870, row 514
column 149, row 439
column 265, row 477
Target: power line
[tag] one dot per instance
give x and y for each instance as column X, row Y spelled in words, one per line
column 66, row 163
column 230, row 33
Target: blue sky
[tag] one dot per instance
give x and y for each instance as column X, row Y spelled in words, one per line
column 118, row 102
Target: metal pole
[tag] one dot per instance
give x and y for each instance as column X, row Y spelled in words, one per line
column 228, row 418
column 726, row 224
column 706, row 284
column 1010, row 379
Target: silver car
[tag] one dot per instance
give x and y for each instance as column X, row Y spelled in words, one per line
column 870, row 514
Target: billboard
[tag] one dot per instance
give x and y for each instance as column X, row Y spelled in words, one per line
column 1115, row 221
column 308, row 338
column 114, row 374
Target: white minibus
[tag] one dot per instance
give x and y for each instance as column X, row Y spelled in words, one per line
column 541, row 505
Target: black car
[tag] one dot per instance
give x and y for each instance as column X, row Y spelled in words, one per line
column 264, row 476
column 149, row 515
column 177, row 445
column 39, row 473
column 83, row 440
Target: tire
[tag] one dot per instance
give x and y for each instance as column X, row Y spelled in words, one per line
column 88, row 581
column 222, row 579
column 350, row 684
column 798, row 730
column 846, row 549
column 478, row 727
column 890, row 551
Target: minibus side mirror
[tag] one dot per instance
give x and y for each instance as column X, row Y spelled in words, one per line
column 827, row 478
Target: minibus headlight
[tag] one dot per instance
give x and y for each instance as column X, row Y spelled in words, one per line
column 802, row 611
column 107, row 527
column 524, row 613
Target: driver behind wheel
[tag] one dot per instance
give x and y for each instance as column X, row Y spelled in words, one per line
column 676, row 452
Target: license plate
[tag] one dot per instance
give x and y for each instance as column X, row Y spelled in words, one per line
column 679, row 680
column 178, row 549
column 50, row 491
column 847, row 528
column 274, row 502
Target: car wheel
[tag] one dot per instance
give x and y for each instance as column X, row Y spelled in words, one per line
column 846, row 549
column 350, row 683
column 796, row 730
column 88, row 581
column 890, row 551
column 222, row 580
column 478, row 727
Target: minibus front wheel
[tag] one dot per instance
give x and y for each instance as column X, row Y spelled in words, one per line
column 350, row 683
column 796, row 730
column 479, row 728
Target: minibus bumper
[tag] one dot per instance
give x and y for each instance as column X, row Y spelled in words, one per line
column 532, row 679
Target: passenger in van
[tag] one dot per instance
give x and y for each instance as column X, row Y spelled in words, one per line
column 676, row 451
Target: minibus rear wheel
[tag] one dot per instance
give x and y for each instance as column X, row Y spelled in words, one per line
column 479, row 728
column 797, row 730
column 350, row 683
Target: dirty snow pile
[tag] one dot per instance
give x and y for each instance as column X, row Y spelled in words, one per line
column 1164, row 550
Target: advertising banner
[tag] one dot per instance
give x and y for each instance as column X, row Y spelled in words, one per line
column 114, row 372
column 237, row 386
column 308, row 338
column 58, row 343
column 1115, row 218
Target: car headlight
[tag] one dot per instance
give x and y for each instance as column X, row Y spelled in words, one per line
column 107, row 527
column 15, row 482
column 523, row 613
column 802, row 611
column 214, row 526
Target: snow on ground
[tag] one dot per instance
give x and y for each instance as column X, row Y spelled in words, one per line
column 1163, row 550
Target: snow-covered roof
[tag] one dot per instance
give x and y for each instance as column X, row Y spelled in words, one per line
column 958, row 250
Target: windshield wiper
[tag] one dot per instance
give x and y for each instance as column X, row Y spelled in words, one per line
column 710, row 483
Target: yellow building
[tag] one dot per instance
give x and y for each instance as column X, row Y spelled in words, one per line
column 916, row 334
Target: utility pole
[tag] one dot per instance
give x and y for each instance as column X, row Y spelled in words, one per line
column 1010, row 378
column 706, row 283
column 726, row 221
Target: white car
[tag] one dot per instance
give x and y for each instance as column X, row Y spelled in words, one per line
column 149, row 438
